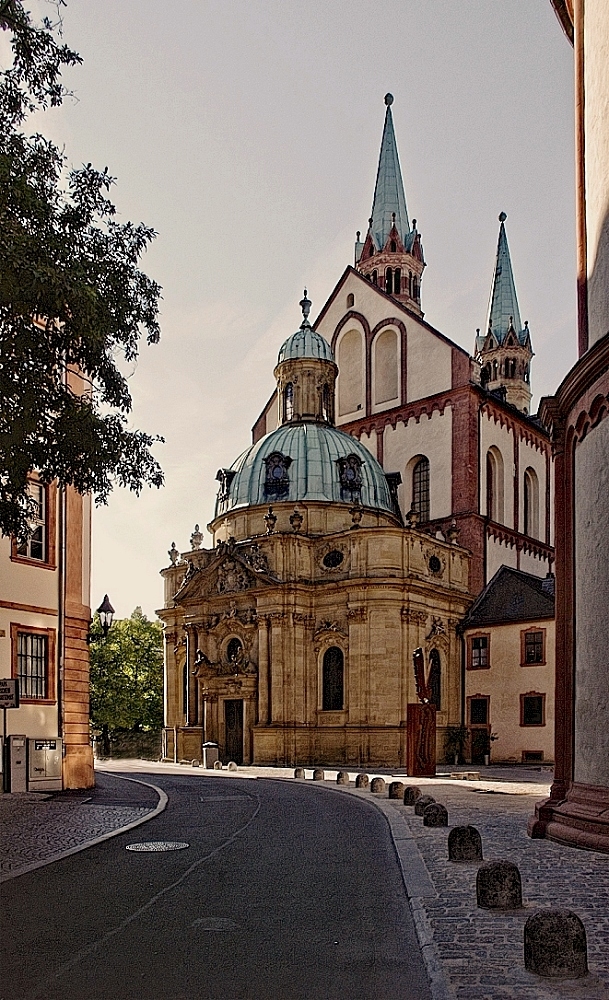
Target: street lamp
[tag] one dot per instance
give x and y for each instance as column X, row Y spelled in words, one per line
column 106, row 615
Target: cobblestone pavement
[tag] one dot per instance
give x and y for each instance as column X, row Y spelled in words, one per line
column 481, row 951
column 38, row 826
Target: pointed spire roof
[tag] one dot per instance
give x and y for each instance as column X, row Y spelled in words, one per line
column 389, row 197
column 504, row 313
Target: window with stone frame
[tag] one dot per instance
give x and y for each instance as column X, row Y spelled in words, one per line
column 350, row 475
column 479, row 652
column 288, row 401
column 333, row 668
column 533, row 709
column 533, row 647
column 277, row 481
column 33, row 663
column 39, row 548
column 420, row 488
column 479, row 710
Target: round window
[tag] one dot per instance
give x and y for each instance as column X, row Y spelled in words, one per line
column 435, row 565
column 333, row 559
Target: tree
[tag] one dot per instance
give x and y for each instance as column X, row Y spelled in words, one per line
column 73, row 299
column 127, row 675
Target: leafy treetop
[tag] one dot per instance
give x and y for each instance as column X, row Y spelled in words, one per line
column 73, row 299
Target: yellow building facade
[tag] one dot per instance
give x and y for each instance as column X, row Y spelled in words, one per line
column 291, row 640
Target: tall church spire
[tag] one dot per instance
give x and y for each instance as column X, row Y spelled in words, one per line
column 391, row 256
column 505, row 350
column 389, row 204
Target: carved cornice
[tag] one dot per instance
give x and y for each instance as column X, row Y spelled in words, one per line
column 300, row 619
column 414, row 616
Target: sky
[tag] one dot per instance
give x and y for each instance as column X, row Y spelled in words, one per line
column 247, row 132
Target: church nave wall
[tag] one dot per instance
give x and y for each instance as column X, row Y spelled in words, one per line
column 430, row 436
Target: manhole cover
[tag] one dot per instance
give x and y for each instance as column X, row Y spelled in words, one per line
column 214, row 924
column 158, row 845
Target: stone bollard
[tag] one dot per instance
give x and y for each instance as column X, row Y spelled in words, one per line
column 498, row 886
column 342, row 778
column 555, row 945
column 362, row 781
column 377, row 785
column 299, row 772
column 231, row 765
column 464, row 844
column 217, row 765
column 435, row 815
column 396, row 790
column 411, row 794
column 318, row 774
column 421, row 803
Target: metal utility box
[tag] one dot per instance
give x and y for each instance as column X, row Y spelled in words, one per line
column 44, row 765
column 16, row 770
column 209, row 754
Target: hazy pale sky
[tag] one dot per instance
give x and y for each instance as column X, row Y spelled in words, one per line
column 246, row 132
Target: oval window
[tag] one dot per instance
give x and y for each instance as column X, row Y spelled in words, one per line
column 435, row 565
column 333, row 559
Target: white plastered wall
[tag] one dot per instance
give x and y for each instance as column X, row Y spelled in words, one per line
column 432, row 437
column 596, row 43
column 499, row 554
column 382, row 379
column 357, row 380
column 494, row 435
column 530, row 457
column 429, row 362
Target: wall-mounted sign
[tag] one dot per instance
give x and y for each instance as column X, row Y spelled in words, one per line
column 9, row 693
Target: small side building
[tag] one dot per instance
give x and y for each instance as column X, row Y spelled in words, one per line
column 509, row 669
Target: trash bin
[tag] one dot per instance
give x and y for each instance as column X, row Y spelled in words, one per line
column 209, row 754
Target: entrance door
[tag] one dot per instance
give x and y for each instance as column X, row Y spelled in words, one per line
column 233, row 725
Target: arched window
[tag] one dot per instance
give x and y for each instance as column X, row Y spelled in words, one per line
column 393, row 246
column 333, row 680
column 495, row 370
column 397, row 281
column 288, row 401
column 420, row 488
column 371, row 252
column 410, row 283
column 415, row 289
column 386, row 367
column 389, row 281
column 531, row 503
column 350, row 300
column 375, row 278
column 325, row 402
column 494, row 485
column 351, row 372
column 435, row 679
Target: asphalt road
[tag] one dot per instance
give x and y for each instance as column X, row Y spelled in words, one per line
column 286, row 892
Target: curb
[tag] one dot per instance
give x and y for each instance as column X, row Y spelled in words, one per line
column 159, row 808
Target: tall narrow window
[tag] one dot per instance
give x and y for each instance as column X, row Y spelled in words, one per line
column 32, row 665
column 325, row 403
column 420, row 488
column 415, row 289
column 494, row 485
column 410, row 283
column 288, row 401
column 397, row 281
column 389, row 281
column 393, row 246
column 531, row 503
column 333, row 680
column 375, row 277
column 435, row 679
column 35, row 546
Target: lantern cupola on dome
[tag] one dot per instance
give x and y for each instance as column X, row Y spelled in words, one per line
column 306, row 374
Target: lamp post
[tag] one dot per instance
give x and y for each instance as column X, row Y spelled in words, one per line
column 106, row 615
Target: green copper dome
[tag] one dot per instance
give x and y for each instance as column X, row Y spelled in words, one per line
column 301, row 462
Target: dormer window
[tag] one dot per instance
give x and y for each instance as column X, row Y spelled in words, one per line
column 393, row 246
column 350, row 474
column 225, row 478
column 277, row 482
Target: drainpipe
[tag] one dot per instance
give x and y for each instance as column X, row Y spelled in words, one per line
column 61, row 609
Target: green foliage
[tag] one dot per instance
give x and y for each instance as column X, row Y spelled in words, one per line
column 127, row 674
column 455, row 738
column 72, row 299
